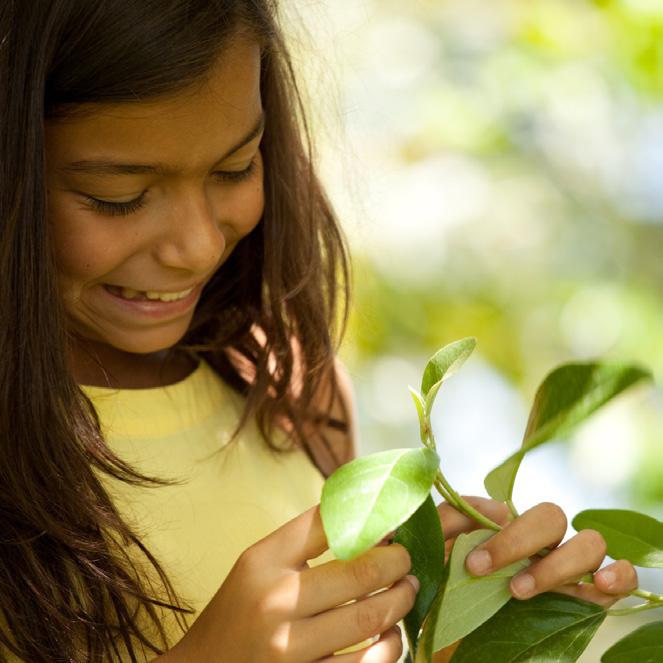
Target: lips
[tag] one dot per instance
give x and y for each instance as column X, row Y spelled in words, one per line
column 143, row 307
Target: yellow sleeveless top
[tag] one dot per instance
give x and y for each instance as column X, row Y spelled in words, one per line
column 230, row 495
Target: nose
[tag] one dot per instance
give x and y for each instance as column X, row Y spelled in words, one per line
column 190, row 236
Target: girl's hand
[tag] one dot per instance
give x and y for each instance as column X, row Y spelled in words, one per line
column 542, row 526
column 273, row 608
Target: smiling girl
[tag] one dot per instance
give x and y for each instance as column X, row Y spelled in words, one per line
column 172, row 279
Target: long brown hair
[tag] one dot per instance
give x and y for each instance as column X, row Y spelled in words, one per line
column 68, row 588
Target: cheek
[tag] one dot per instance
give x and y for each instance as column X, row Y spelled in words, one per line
column 255, row 207
column 248, row 205
column 83, row 249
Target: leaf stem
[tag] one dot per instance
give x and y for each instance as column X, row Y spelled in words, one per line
column 636, row 608
column 450, row 495
column 653, row 600
column 459, row 503
column 649, row 596
column 512, row 508
column 443, row 492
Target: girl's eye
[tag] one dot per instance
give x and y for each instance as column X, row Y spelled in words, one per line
column 115, row 209
column 237, row 175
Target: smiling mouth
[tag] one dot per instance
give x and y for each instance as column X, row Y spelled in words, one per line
column 148, row 295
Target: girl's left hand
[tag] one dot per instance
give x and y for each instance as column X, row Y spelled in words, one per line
column 542, row 526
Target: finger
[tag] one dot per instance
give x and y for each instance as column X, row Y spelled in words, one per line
column 347, row 625
column 619, row 578
column 583, row 553
column 587, row 592
column 329, row 585
column 454, row 522
column 541, row 526
column 299, row 540
column 388, row 649
column 605, row 591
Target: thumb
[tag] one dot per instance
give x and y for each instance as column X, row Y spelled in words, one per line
column 299, row 540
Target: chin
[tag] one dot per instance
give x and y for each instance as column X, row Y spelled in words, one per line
column 148, row 347
column 144, row 343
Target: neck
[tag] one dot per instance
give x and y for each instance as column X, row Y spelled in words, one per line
column 99, row 365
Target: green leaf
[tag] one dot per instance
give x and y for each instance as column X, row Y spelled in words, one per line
column 630, row 535
column 418, row 402
column 421, row 407
column 424, row 648
column 467, row 601
column 431, row 396
column 549, row 628
column 422, row 535
column 567, row 396
column 445, row 362
column 644, row 645
column 366, row 499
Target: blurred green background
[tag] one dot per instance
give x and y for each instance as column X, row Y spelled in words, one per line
column 498, row 168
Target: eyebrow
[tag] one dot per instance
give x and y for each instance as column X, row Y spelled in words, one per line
column 102, row 167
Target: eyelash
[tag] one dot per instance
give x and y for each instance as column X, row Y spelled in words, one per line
column 131, row 206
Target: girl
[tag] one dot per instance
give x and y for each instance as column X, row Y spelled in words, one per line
column 169, row 401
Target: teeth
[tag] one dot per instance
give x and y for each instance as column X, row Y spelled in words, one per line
column 130, row 293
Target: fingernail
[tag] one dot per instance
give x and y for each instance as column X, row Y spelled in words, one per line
column 479, row 562
column 523, row 585
column 607, row 577
column 415, row 582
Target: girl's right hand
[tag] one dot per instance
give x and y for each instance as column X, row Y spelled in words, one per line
column 273, row 608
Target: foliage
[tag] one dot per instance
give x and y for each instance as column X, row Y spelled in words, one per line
column 379, row 493
column 500, row 177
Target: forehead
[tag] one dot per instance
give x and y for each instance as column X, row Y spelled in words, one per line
column 184, row 129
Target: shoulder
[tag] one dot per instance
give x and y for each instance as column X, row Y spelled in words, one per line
column 335, row 400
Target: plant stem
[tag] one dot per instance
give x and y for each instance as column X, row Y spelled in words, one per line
column 636, row 608
column 443, row 492
column 649, row 596
column 654, row 600
column 458, row 502
column 512, row 508
column 451, row 495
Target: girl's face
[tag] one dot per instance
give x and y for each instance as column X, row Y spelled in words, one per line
column 146, row 200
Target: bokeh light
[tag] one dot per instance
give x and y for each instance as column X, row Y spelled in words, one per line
column 498, row 169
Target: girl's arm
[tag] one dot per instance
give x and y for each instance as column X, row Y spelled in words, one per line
column 343, row 442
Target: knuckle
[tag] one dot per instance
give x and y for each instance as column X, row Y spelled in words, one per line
column 370, row 619
column 248, row 569
column 249, row 560
column 272, row 605
column 264, row 608
column 554, row 515
column 278, row 643
column 366, row 572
